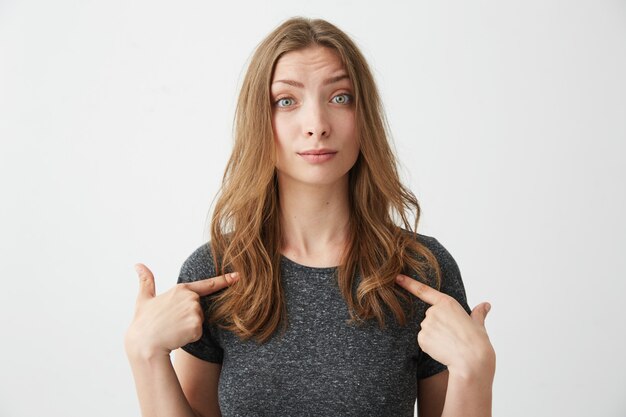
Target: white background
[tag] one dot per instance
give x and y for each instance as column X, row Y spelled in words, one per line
column 509, row 118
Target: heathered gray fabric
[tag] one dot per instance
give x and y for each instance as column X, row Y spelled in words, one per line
column 322, row 366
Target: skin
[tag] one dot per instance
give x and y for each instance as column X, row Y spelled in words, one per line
column 313, row 197
column 312, row 116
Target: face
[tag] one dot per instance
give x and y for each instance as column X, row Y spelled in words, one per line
column 313, row 112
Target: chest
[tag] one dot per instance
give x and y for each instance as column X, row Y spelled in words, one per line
column 322, row 365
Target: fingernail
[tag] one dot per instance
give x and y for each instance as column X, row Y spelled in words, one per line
column 234, row 275
column 488, row 307
column 399, row 278
column 137, row 269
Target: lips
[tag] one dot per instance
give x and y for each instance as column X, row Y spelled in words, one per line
column 317, row 156
column 318, row 152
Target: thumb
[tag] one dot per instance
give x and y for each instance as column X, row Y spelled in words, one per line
column 479, row 313
column 146, row 282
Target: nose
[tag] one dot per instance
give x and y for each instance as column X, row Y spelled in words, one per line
column 316, row 122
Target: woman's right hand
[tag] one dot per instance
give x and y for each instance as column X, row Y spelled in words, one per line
column 173, row 319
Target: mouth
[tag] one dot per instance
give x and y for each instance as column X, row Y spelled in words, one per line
column 317, row 157
column 318, row 152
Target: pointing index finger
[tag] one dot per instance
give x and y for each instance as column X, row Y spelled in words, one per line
column 421, row 291
column 211, row 285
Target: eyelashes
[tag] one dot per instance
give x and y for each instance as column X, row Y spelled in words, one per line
column 277, row 102
column 347, row 99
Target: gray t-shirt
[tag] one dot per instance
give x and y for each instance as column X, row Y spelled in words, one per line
column 321, row 366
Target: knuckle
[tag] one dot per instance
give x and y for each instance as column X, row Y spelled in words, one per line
column 181, row 288
column 420, row 338
column 199, row 312
column 195, row 326
column 447, row 300
column 197, row 333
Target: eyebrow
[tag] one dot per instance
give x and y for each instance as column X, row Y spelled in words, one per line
column 327, row 81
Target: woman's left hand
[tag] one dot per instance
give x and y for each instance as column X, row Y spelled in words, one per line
column 451, row 336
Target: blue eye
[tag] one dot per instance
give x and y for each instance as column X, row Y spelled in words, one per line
column 344, row 98
column 347, row 98
column 282, row 99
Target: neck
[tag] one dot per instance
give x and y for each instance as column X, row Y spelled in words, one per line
column 314, row 219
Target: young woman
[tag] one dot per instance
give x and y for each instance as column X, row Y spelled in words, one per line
column 310, row 300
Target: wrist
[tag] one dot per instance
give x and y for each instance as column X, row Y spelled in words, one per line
column 140, row 351
column 480, row 365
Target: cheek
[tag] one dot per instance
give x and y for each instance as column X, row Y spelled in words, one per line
column 279, row 134
column 282, row 130
column 349, row 132
column 281, row 142
column 347, row 124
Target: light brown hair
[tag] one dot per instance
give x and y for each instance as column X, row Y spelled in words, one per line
column 245, row 228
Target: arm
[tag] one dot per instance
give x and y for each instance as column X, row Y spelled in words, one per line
column 173, row 318
column 451, row 393
column 158, row 389
column 452, row 337
column 431, row 395
column 470, row 389
column 200, row 380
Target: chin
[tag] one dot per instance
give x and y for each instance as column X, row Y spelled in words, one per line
column 323, row 181
column 310, row 181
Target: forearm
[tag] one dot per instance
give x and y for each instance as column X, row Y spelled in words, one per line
column 469, row 393
column 158, row 389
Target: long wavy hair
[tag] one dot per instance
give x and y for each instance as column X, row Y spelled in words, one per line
column 245, row 229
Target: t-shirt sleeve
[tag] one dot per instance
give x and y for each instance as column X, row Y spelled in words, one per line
column 199, row 266
column 451, row 284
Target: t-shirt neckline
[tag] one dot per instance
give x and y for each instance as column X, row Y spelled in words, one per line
column 306, row 267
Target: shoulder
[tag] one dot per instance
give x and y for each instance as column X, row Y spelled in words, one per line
column 451, row 280
column 444, row 257
column 437, row 248
column 198, row 265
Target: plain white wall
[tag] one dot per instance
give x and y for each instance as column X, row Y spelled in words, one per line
column 509, row 118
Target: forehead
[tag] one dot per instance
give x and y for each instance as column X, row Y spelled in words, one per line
column 313, row 59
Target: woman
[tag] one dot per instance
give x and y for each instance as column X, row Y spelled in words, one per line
column 303, row 238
